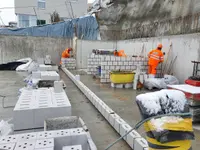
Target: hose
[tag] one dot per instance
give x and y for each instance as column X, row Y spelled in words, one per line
column 139, row 124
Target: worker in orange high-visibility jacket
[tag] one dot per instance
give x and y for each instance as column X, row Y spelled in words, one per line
column 66, row 53
column 156, row 56
column 120, row 53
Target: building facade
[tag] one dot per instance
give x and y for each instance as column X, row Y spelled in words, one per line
column 37, row 12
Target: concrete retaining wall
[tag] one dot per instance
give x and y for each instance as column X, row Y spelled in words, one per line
column 185, row 47
column 16, row 47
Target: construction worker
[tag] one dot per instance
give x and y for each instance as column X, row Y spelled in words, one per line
column 156, row 56
column 66, row 53
column 119, row 53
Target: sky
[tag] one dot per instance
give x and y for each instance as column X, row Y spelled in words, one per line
column 9, row 14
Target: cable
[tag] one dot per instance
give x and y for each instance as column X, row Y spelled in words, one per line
column 137, row 126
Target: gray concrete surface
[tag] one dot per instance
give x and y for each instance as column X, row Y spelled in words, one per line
column 102, row 133
column 122, row 101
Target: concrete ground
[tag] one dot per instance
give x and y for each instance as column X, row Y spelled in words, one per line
column 123, row 102
column 120, row 100
column 101, row 132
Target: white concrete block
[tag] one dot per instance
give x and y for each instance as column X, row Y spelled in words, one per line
column 117, row 68
column 112, row 118
column 58, row 86
column 122, row 67
column 115, row 63
column 112, row 58
column 108, row 80
column 44, row 143
column 27, row 136
column 112, row 67
column 124, row 129
column 118, row 123
column 25, row 145
column 107, row 111
column 126, row 63
column 45, row 134
column 118, row 58
column 128, row 85
column 128, row 67
column 133, row 67
column 119, row 86
column 107, row 67
column 49, row 148
column 110, row 63
column 9, row 139
column 140, row 144
column 36, row 74
column 9, row 146
column 21, row 114
column 107, row 58
column 107, row 76
column 130, row 63
column 120, row 63
column 131, row 138
column 79, row 137
column 74, row 147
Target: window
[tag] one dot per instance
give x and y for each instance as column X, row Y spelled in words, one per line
column 41, row 22
column 26, row 20
column 23, row 21
column 41, row 4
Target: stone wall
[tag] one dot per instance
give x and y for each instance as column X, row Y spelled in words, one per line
column 141, row 18
column 17, row 47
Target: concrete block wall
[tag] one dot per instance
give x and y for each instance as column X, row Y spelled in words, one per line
column 113, row 63
column 69, row 63
column 93, row 62
column 133, row 139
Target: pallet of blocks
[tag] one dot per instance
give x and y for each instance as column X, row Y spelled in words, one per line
column 192, row 93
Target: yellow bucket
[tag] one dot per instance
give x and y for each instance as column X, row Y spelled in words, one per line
column 122, row 77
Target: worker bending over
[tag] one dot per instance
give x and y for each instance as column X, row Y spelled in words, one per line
column 66, row 53
column 119, row 53
column 156, row 56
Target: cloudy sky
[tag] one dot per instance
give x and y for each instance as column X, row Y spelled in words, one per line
column 8, row 14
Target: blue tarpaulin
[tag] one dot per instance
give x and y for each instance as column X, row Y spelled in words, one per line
column 87, row 28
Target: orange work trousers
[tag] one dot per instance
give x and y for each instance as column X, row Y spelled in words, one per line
column 152, row 69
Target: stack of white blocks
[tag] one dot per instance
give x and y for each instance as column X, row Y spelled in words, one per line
column 69, row 63
column 47, row 140
column 134, row 140
column 50, row 75
column 47, row 60
column 43, row 67
column 93, row 62
column 34, row 106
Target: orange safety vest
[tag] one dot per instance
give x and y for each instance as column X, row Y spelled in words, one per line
column 65, row 54
column 155, row 57
column 120, row 53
